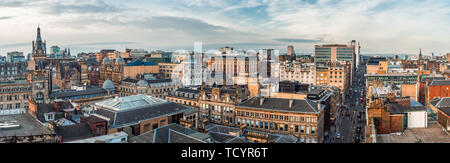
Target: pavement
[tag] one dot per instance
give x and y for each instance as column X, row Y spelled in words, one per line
column 432, row 134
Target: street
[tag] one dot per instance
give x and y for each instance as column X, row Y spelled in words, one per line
column 346, row 124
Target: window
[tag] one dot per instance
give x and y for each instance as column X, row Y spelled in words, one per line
column 155, row 126
column 296, row 128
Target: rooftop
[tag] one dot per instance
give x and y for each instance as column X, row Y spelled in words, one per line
column 432, row 134
column 398, row 109
column 104, row 138
column 171, row 133
column 27, row 126
column 279, row 104
column 71, row 93
column 442, row 104
column 130, row 102
column 440, row 82
column 131, row 110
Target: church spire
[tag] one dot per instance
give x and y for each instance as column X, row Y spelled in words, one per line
column 38, row 38
column 420, row 54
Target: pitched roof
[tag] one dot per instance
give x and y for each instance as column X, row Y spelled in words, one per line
column 440, row 82
column 134, row 116
column 74, row 132
column 442, row 104
column 171, row 133
column 71, row 93
column 395, row 108
column 279, row 104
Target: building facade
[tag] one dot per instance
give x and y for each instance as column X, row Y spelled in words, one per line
column 217, row 104
column 14, row 94
column 301, row 118
column 295, row 71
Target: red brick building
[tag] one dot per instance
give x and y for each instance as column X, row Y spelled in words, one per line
column 437, row 89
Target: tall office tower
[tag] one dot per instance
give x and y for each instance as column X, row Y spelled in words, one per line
column 291, row 52
column 357, row 47
column 336, row 52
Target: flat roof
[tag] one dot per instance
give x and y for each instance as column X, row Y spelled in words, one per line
column 28, row 126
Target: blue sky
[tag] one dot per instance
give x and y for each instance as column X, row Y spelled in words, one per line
column 382, row 26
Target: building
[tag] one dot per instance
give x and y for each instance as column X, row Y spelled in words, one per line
column 337, row 52
column 423, row 82
column 291, row 53
column 172, row 133
column 46, row 113
column 340, row 75
column 185, row 96
column 357, row 51
column 436, row 89
column 15, row 56
column 82, row 94
column 119, row 137
column 392, row 114
column 227, row 134
column 138, row 53
column 172, row 71
column 217, row 104
column 138, row 114
column 71, row 73
column 301, row 118
column 39, row 53
column 155, row 87
column 390, row 79
column 13, row 69
column 135, row 68
column 40, row 85
column 23, row 128
column 112, row 70
column 377, row 67
column 440, row 108
column 15, row 94
column 295, row 71
column 159, row 57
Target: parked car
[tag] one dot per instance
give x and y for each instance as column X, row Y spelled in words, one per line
column 338, row 136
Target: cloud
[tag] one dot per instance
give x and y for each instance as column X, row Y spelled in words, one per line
column 380, row 25
column 294, row 40
column 102, row 43
column 5, row 17
column 83, row 7
column 14, row 45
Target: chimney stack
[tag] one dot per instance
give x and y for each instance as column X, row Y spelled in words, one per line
column 261, row 101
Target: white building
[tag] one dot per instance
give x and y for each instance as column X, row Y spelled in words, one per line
column 296, row 71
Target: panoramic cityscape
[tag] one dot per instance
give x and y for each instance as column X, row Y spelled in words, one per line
column 224, row 72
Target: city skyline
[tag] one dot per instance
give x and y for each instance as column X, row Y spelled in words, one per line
column 86, row 26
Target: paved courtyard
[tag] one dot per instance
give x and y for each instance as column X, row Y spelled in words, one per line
column 432, row 134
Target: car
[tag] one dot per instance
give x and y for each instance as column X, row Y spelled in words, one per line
column 358, row 129
column 357, row 139
column 338, row 136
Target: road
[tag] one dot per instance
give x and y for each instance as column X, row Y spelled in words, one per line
column 346, row 125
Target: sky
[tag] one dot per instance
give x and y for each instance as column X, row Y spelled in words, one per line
column 381, row 26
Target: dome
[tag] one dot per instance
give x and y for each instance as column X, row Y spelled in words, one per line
column 106, row 60
column 108, row 85
column 142, row 83
column 120, row 61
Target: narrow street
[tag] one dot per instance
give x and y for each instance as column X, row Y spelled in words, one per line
column 346, row 125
